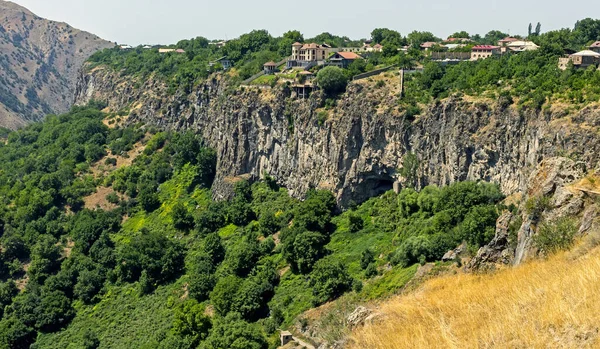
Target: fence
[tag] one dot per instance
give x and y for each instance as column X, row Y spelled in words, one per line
column 373, row 73
column 458, row 56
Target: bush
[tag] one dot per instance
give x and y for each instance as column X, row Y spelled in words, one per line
column 366, row 258
column 355, row 223
column 113, row 198
column 329, row 280
column 555, row 236
column 536, row 205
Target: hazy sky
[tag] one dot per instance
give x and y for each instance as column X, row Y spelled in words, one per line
column 159, row 21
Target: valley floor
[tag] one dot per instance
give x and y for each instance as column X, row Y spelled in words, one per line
column 544, row 304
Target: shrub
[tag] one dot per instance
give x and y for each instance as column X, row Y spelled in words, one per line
column 355, row 223
column 366, row 258
column 536, row 205
column 555, row 236
column 113, row 198
column 329, row 280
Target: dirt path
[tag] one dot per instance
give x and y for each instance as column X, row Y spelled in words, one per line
column 302, row 343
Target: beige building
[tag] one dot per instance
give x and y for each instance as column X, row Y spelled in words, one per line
column 521, row 45
column 595, row 47
column 310, row 52
column 484, row 51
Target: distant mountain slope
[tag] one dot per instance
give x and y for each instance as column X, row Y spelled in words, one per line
column 39, row 61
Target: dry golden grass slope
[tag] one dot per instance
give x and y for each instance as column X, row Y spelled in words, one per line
column 544, row 304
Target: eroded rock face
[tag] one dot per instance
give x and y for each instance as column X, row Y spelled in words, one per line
column 357, row 151
column 498, row 251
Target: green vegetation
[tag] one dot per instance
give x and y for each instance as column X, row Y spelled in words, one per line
column 555, row 236
column 169, row 267
column 332, row 80
column 148, row 271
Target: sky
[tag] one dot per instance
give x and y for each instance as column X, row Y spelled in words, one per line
column 163, row 22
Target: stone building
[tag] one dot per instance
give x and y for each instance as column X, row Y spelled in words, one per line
column 484, row 51
column 285, row 337
column 582, row 60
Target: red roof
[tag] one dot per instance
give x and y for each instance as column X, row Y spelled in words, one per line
column 596, row 44
column 349, row 55
column 428, row 44
column 270, row 64
column 509, row 39
column 485, row 47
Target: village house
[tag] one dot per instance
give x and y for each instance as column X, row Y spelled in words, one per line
column 270, row 68
column 457, row 40
column 223, row 61
column 125, row 47
column 595, row 47
column 308, row 54
column 507, row 40
column 428, row 45
column 179, row 50
column 521, row 46
column 343, row 59
column 581, row 60
column 484, row 51
column 166, row 50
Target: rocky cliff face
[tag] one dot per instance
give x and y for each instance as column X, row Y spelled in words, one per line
column 358, row 149
column 39, row 61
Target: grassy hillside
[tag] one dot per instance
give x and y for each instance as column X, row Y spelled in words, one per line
column 547, row 303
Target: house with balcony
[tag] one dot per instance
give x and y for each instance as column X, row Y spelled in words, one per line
column 484, row 51
column 307, row 55
column 343, row 59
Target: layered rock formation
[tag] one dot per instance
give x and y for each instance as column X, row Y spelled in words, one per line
column 357, row 148
column 39, row 62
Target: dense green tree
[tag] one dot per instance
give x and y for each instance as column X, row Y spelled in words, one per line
column 224, row 295
column 161, row 258
column 89, row 283
column 355, row 222
column 90, row 339
column 191, row 323
column 268, row 223
column 366, row 258
column 8, row 290
column 329, row 280
column 15, row 335
column 332, row 80
column 234, row 333
column 211, row 219
column 182, row 219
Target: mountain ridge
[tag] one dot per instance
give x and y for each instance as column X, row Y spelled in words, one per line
column 40, row 62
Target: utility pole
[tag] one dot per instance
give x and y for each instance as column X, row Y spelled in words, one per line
column 401, row 82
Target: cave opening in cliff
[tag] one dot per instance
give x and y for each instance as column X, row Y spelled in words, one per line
column 380, row 186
